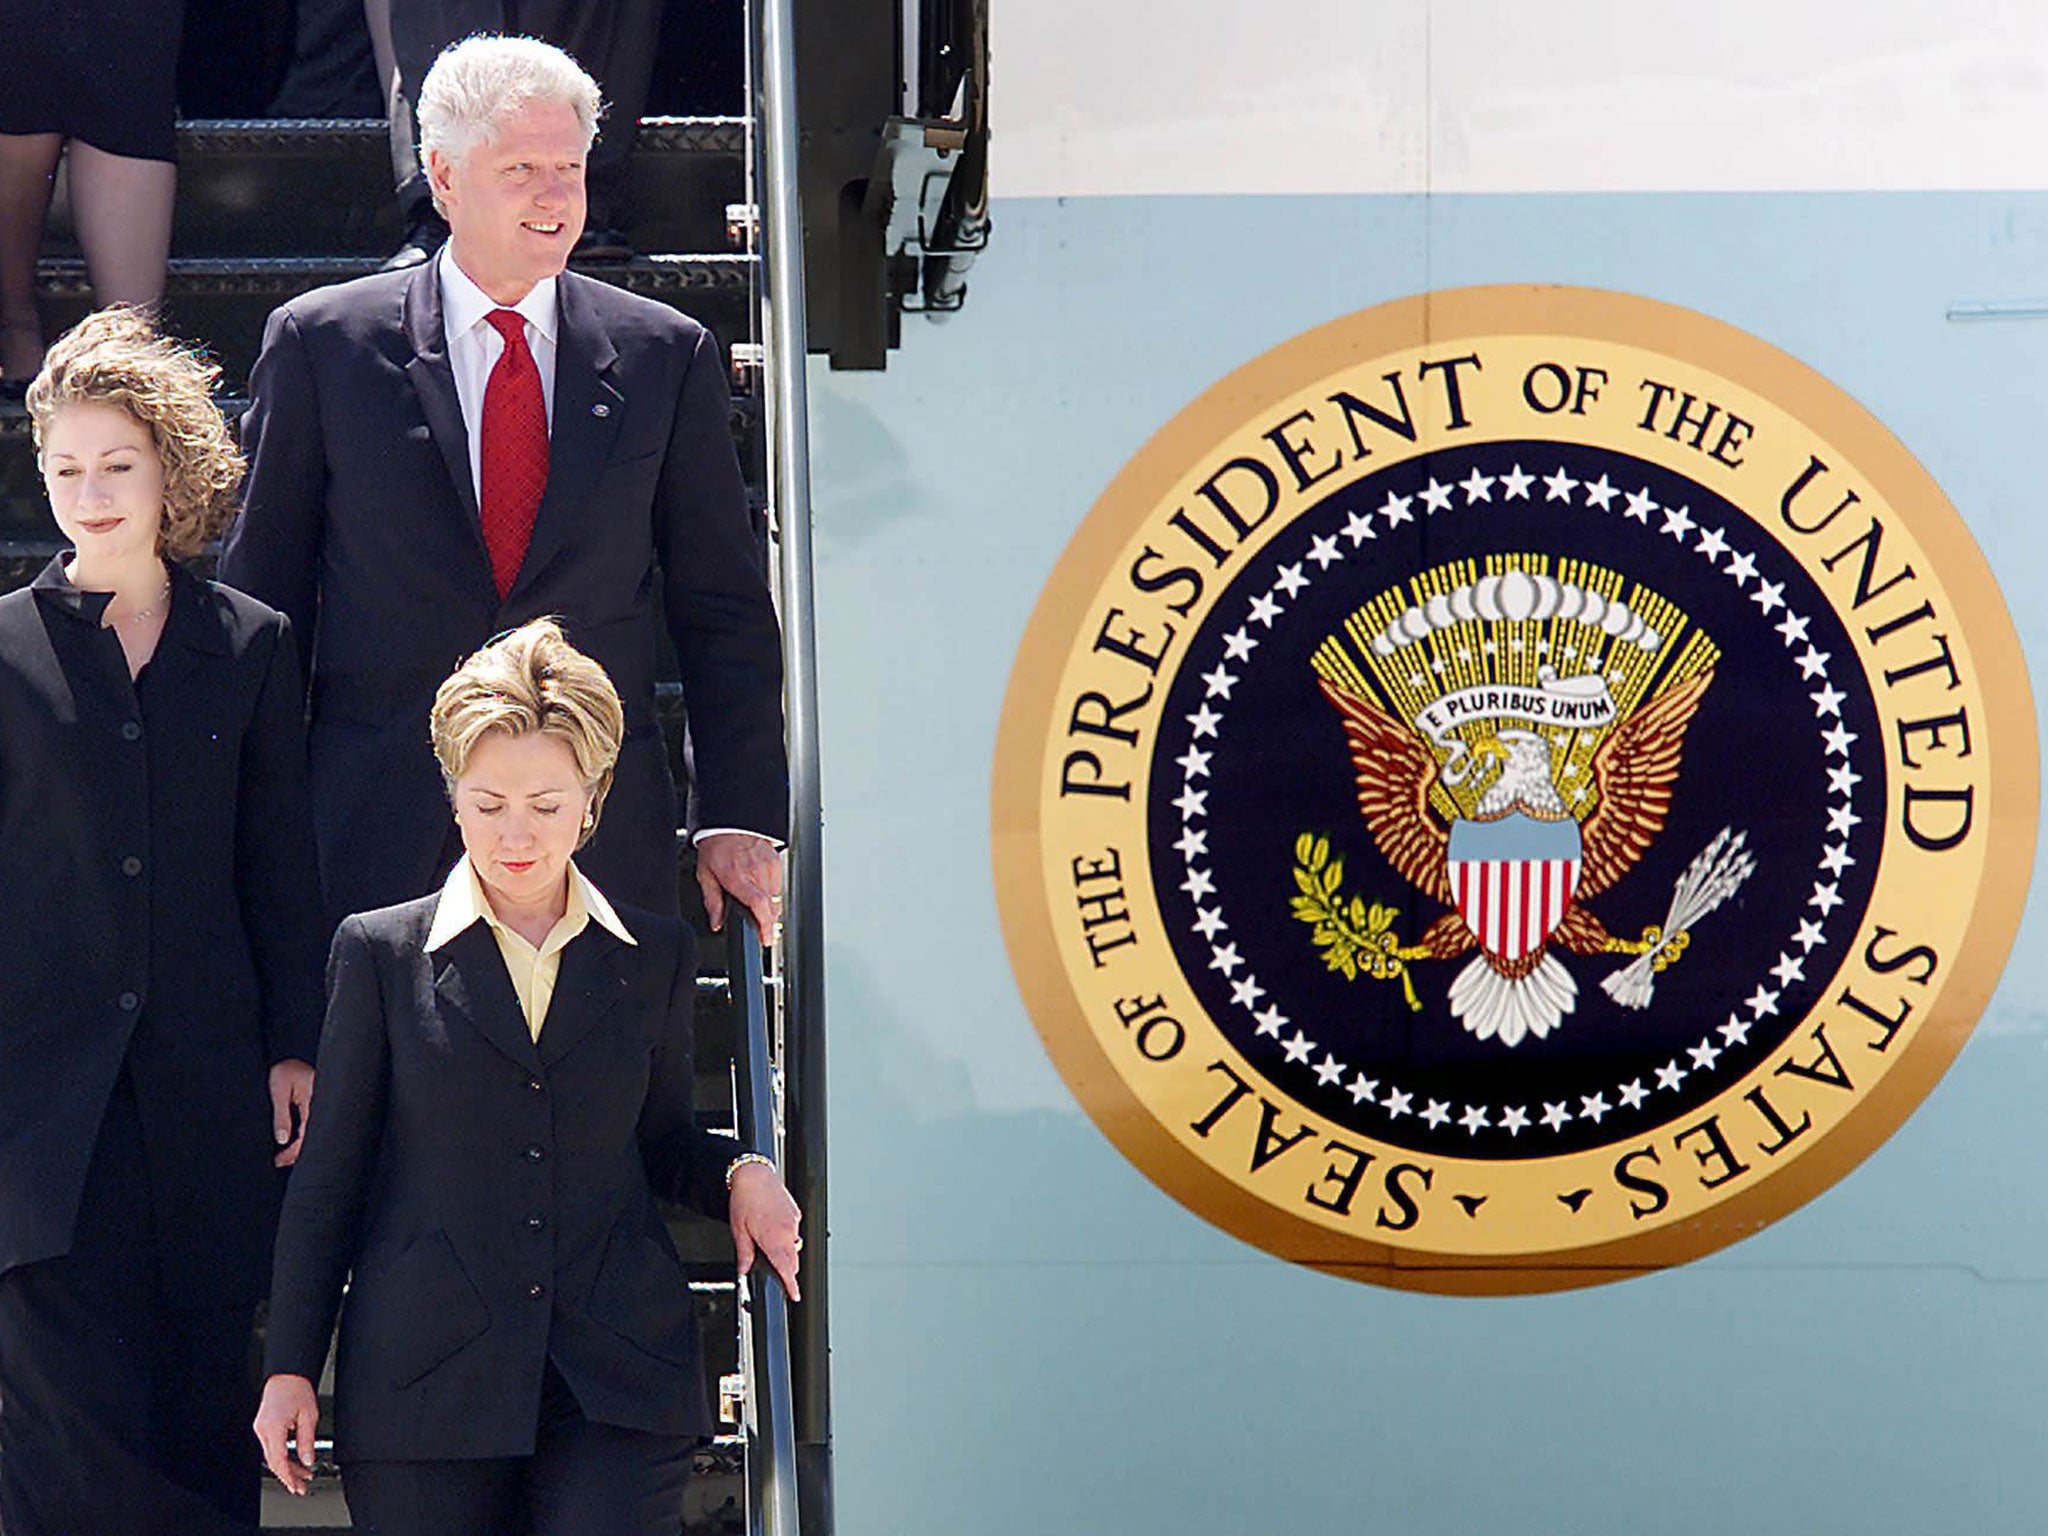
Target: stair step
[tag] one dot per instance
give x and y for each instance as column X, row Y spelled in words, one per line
column 276, row 187
column 228, row 299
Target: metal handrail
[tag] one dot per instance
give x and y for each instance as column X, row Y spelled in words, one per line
column 773, row 100
column 770, row 1417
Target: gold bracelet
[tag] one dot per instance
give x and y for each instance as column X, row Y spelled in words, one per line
column 741, row 1161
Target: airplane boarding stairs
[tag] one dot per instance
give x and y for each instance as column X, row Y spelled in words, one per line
column 268, row 209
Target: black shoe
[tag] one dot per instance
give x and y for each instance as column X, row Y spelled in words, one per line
column 600, row 243
column 425, row 237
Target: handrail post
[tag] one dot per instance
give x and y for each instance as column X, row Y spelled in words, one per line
column 802, row 959
column 771, row 1449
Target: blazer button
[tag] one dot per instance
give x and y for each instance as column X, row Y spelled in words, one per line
column 534, row 1154
column 535, row 1223
column 131, row 730
column 535, row 1084
column 536, row 1291
column 131, row 866
column 128, row 1002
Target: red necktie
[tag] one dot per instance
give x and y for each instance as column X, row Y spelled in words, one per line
column 515, row 450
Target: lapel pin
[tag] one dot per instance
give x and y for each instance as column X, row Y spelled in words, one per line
column 600, row 409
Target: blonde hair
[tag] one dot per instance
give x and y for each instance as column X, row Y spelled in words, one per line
column 532, row 680
column 118, row 357
column 479, row 82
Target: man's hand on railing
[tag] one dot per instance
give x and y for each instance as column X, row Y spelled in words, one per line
column 745, row 867
column 765, row 1219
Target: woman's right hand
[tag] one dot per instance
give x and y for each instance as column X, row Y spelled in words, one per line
column 290, row 1407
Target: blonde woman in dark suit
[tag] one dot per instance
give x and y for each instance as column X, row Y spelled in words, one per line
column 505, row 1095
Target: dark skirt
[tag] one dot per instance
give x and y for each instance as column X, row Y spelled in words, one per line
column 104, row 72
column 119, row 1415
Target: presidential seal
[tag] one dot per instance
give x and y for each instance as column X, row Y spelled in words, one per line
column 1511, row 789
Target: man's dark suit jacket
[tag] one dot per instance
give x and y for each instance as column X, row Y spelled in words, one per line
column 360, row 522
column 494, row 1199
column 156, row 908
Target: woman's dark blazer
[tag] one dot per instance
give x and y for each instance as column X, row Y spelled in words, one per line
column 492, row 1200
column 158, row 906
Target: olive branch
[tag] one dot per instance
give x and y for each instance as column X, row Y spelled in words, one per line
column 1352, row 936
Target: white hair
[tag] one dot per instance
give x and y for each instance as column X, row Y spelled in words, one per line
column 476, row 84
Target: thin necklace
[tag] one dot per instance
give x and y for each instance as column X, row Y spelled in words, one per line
column 146, row 613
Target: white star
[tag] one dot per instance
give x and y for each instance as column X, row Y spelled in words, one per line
column 1204, row 721
column 1814, row 663
column 1829, row 701
column 1712, row 544
column 1792, row 627
column 1514, row 484
column 1839, row 738
column 1246, row 992
column 1436, row 495
column 1477, row 487
column 1836, row 859
column 1514, row 1121
column 1678, row 522
column 1324, row 552
column 1195, row 762
column 1264, row 609
column 1209, row 922
column 1762, row 1003
column 1475, row 1118
column 1224, row 958
column 1633, row 1094
column 1841, row 819
column 1219, row 681
column 1555, row 1115
column 1330, row 1071
column 1238, row 645
column 1788, row 970
column 1742, row 566
column 1641, row 505
column 1396, row 1102
column 1192, row 802
column 1271, row 1021
column 1600, row 493
column 1593, row 1109
column 1559, row 486
column 1438, row 1112
column 1199, row 884
column 1358, row 528
column 1768, row 595
column 1809, row 937
column 1842, row 779
column 1363, row 1088
column 1192, row 842
column 1290, row 580
column 1395, row 510
column 1735, row 1031
column 1670, row 1075
column 1826, row 897
column 1705, row 1054
column 1299, row 1048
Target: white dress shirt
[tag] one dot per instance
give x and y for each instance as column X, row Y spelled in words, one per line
column 474, row 347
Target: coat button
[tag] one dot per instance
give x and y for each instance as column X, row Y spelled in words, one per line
column 535, row 1223
column 131, row 730
column 535, row 1084
column 128, row 1002
column 536, row 1291
column 131, row 866
column 534, row 1154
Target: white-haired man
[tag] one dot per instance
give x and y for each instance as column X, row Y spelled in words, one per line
column 442, row 453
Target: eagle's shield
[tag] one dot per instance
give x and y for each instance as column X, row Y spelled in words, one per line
column 1514, row 878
